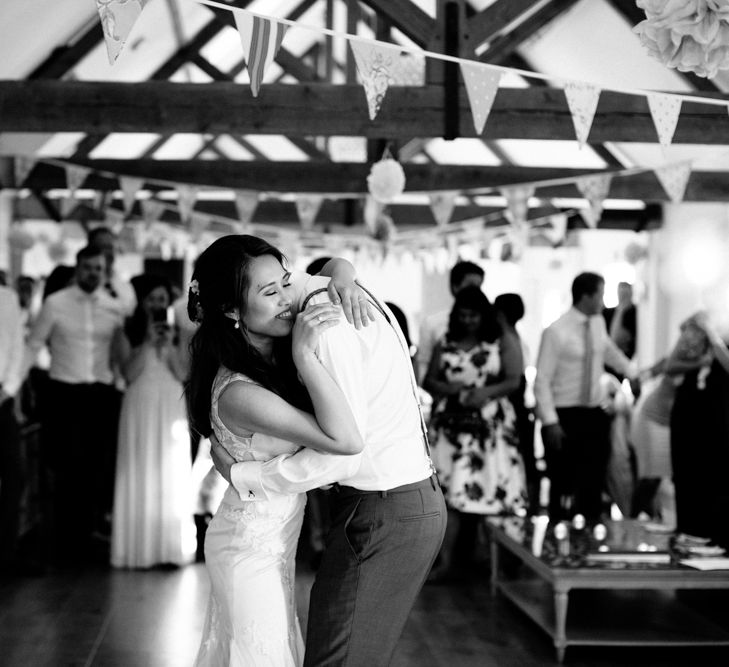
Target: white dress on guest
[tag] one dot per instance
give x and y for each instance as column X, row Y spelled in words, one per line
column 152, row 522
column 250, row 549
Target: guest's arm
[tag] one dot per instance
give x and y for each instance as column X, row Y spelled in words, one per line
column 435, row 382
column 512, row 363
column 40, row 333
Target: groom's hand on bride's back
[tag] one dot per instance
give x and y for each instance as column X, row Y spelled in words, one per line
column 221, row 459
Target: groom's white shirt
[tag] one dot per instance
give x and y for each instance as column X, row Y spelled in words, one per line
column 374, row 372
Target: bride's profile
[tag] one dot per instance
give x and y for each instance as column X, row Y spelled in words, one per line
column 247, row 357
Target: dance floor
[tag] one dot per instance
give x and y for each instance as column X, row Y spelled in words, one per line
column 109, row 618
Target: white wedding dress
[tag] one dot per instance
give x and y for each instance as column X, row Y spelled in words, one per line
column 250, row 547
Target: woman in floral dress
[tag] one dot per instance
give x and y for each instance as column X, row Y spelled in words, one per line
column 473, row 429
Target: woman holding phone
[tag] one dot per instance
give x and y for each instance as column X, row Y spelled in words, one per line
column 152, row 522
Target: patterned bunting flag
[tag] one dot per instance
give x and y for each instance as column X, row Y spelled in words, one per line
column 665, row 110
column 517, row 202
column 582, row 100
column 246, row 202
column 152, row 210
column 261, row 39
column 23, row 165
column 129, row 186
column 75, row 176
column 376, row 63
column 186, row 197
column 307, row 206
column 674, row 179
column 556, row 229
column 595, row 188
column 442, row 204
column 117, row 20
column 482, row 82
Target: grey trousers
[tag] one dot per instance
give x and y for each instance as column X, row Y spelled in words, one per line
column 379, row 550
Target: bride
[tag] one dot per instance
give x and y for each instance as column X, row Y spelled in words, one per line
column 243, row 386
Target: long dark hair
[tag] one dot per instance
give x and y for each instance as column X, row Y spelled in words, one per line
column 135, row 326
column 220, row 284
column 472, row 298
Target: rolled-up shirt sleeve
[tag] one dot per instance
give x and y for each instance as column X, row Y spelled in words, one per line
column 546, row 367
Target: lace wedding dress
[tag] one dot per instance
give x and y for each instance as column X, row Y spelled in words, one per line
column 249, row 553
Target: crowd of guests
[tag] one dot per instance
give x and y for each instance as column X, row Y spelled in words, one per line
column 116, row 454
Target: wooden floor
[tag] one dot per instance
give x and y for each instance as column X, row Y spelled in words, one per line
column 110, row 618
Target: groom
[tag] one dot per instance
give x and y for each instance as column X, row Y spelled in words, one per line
column 388, row 513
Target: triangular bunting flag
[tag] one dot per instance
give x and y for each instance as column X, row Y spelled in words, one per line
column 307, row 207
column 517, row 202
column 261, row 39
column 75, row 176
column 665, row 110
column 582, row 100
column 557, row 229
column 246, row 202
column 482, row 82
column 595, row 189
column 129, row 186
column 375, row 64
column 590, row 217
column 23, row 165
column 198, row 224
column 674, row 179
column 66, row 206
column 371, row 212
column 117, row 20
column 186, row 196
column 152, row 210
column 442, row 205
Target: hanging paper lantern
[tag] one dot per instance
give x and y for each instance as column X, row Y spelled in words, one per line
column 386, row 180
column 19, row 239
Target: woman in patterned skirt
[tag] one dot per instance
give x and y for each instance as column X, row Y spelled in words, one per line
column 473, row 429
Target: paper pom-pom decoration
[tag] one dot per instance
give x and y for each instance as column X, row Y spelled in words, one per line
column 386, row 180
column 20, row 239
column 688, row 35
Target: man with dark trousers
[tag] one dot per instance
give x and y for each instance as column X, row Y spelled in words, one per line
column 575, row 429
column 388, row 512
column 79, row 324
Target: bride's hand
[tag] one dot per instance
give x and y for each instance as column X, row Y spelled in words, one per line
column 356, row 306
column 309, row 326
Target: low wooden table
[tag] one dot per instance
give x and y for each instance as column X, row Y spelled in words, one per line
column 618, row 603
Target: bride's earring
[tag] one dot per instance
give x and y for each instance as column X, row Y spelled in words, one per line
column 237, row 324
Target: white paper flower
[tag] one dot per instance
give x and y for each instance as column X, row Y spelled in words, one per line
column 386, row 180
column 688, row 35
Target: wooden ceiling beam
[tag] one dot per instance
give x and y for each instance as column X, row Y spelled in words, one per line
column 351, row 177
column 492, row 20
column 504, row 45
column 329, row 110
column 407, row 17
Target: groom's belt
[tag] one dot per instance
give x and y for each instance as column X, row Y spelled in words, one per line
column 346, row 491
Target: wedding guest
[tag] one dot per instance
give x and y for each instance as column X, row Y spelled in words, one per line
column 463, row 274
column 699, row 437
column 12, row 475
column 510, row 310
column 152, row 521
column 116, row 287
column 575, row 428
column 78, row 323
column 473, row 370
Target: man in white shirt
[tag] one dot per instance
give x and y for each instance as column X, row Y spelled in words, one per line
column 463, row 274
column 80, row 324
column 575, row 429
column 105, row 240
column 11, row 469
column 388, row 513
